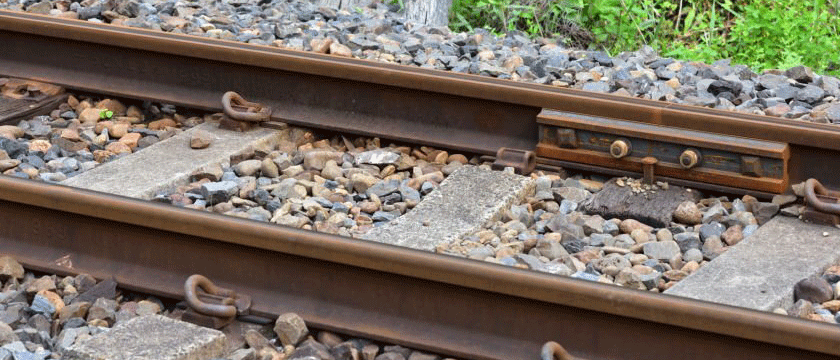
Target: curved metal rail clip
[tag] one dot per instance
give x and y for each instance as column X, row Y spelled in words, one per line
column 210, row 305
column 554, row 351
column 241, row 114
column 823, row 204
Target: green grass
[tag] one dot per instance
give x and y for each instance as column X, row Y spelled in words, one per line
column 763, row 34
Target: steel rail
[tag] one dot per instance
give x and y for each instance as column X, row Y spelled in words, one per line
column 458, row 111
column 458, row 307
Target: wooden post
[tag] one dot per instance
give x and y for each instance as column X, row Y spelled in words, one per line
column 428, row 12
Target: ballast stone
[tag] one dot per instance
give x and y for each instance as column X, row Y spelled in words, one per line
column 150, row 337
column 470, row 197
column 761, row 271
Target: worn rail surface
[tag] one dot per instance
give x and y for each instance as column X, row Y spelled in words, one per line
column 452, row 306
column 464, row 308
column 437, row 108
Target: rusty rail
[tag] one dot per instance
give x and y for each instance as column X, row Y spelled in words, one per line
column 464, row 308
column 457, row 111
column 452, row 306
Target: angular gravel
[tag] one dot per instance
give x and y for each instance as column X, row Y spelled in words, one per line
column 380, row 33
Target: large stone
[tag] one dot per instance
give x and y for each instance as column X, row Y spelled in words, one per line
column 200, row 139
column 104, row 289
column 8, row 164
column 47, row 303
column 712, row 229
column 331, row 170
column 103, row 309
column 90, row 115
column 574, row 194
column 661, row 250
column 9, row 268
column 290, row 329
column 814, row 289
column 654, row 209
column 561, row 224
column 310, row 349
column 383, row 188
column 290, row 220
column 11, row 130
column 688, row 240
column 316, row 159
column 810, row 94
column 378, row 157
column 77, row 309
column 688, row 213
column 361, row 182
column 733, row 235
column 269, row 169
column 247, row 167
column 217, row 192
column 627, row 226
column 800, row 73
column 150, row 337
column 629, row 278
column 212, row 172
column 763, row 211
column 42, row 283
column 7, row 335
column 552, row 249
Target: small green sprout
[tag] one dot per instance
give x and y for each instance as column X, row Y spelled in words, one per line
column 106, row 114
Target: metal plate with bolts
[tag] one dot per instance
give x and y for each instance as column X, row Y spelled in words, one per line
column 670, row 152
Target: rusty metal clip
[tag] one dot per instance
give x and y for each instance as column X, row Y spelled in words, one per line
column 237, row 108
column 823, row 204
column 210, row 305
column 522, row 161
column 21, row 89
column 554, row 351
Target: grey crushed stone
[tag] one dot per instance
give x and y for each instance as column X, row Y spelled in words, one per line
column 379, row 32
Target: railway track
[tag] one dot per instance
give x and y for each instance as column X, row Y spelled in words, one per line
column 336, row 283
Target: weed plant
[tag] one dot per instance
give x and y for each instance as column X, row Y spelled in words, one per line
column 764, row 34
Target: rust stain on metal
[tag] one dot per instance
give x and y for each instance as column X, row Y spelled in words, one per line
column 237, row 108
column 634, row 164
column 648, row 168
column 20, row 99
column 23, row 89
column 823, row 205
column 337, row 284
column 458, row 111
column 210, row 305
column 522, row 161
column 554, row 351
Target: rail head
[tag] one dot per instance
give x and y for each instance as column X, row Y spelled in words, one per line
column 561, row 291
column 825, row 136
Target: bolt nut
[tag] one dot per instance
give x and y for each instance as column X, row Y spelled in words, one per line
column 690, row 158
column 620, row 149
column 567, row 138
column 751, row 166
